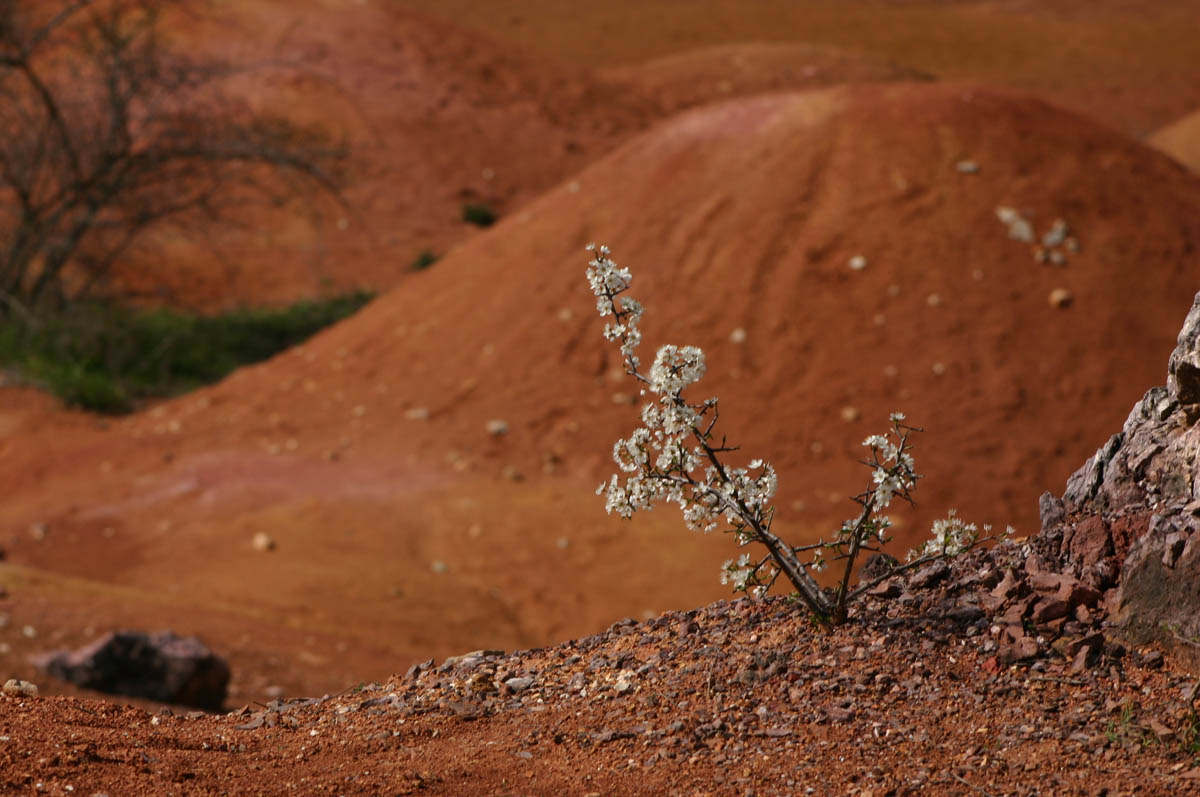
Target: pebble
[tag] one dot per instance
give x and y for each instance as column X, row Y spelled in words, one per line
column 497, row 427
column 857, row 263
column 519, row 684
column 263, row 542
column 15, row 688
column 967, row 167
column 1061, row 298
column 738, row 335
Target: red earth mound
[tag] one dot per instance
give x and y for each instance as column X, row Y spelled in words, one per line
column 1124, row 62
column 403, row 524
column 435, row 116
column 721, row 72
column 1181, row 140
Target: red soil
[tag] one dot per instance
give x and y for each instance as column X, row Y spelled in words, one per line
column 435, row 116
column 405, row 530
column 740, row 215
column 1121, row 62
column 1181, row 140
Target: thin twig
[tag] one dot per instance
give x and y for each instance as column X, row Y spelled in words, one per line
column 969, row 784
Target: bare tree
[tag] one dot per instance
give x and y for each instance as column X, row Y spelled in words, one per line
column 106, row 132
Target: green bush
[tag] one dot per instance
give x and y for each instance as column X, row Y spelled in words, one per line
column 425, row 259
column 478, row 214
column 107, row 357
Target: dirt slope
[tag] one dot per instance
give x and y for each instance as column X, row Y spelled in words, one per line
column 1122, row 62
column 720, row 72
column 435, row 115
column 726, row 699
column 1180, row 140
column 399, row 518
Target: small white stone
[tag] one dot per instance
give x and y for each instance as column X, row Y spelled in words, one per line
column 849, row 413
column 738, row 335
column 939, row 369
column 438, row 566
column 858, row 263
column 967, row 167
column 934, row 300
column 1061, row 298
column 497, row 427
column 16, row 688
column 263, row 542
column 417, row 414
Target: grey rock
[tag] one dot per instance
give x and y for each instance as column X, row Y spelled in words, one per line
column 1128, row 516
column 159, row 666
column 519, row 684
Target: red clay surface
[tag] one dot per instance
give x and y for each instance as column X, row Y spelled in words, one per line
column 405, row 530
column 1181, row 140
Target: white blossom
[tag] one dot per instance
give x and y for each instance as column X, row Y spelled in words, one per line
column 674, row 457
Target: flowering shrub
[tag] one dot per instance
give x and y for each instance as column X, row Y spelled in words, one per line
column 676, row 457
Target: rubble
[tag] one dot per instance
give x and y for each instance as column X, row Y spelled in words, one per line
column 160, row 666
column 1127, row 523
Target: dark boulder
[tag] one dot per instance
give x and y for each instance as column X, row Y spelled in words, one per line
column 1129, row 521
column 161, row 666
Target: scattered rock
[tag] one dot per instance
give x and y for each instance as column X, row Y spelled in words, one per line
column 858, row 263
column 878, row 564
column 497, row 427
column 1016, row 650
column 158, row 666
column 738, row 335
column 519, row 684
column 929, row 575
column 1019, row 228
column 1128, row 516
column 1061, row 298
column 263, row 542
column 16, row 688
column 967, row 167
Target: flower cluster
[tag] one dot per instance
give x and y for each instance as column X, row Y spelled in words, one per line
column 952, row 536
column 675, row 457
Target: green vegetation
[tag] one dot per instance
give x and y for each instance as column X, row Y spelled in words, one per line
column 479, row 214
column 106, row 357
column 425, row 259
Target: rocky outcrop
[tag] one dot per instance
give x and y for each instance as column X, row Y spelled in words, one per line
column 160, row 666
column 1129, row 521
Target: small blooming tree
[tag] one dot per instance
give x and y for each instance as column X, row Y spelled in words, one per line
column 675, row 457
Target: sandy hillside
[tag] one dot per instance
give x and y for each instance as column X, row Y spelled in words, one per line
column 405, row 528
column 1108, row 59
column 1181, row 140
column 435, row 115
